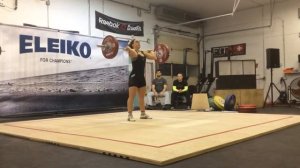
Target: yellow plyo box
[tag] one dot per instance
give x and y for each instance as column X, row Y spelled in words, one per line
column 168, row 137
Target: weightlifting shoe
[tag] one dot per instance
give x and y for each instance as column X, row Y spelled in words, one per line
column 130, row 118
column 145, row 116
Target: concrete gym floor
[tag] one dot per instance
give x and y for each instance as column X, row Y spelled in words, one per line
column 279, row 149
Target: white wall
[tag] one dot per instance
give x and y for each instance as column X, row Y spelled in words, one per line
column 283, row 34
column 74, row 15
column 28, row 11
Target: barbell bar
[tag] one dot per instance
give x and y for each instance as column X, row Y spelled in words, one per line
column 110, row 48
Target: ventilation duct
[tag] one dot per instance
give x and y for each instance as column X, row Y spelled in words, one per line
column 174, row 15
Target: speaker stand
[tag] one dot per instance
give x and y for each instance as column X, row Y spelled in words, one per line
column 271, row 89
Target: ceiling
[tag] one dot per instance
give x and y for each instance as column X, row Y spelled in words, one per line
column 208, row 8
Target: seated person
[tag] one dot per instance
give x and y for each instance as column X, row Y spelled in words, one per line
column 180, row 88
column 158, row 87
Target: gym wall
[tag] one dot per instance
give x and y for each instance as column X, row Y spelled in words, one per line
column 177, row 43
column 283, row 34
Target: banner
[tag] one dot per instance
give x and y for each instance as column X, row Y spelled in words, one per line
column 106, row 23
column 44, row 70
column 227, row 51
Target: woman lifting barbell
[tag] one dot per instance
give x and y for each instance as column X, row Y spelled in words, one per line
column 137, row 82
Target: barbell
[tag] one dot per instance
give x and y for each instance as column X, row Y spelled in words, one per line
column 110, row 48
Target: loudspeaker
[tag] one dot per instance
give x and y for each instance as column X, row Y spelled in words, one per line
column 273, row 58
column 299, row 58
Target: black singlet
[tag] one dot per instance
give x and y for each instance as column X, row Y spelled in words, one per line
column 137, row 75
